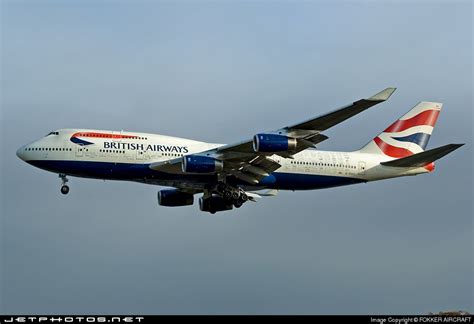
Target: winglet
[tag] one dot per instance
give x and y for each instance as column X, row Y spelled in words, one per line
column 383, row 95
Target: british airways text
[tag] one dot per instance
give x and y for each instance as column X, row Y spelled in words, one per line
column 143, row 147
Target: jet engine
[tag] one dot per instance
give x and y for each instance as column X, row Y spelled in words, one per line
column 201, row 164
column 214, row 204
column 174, row 198
column 273, row 143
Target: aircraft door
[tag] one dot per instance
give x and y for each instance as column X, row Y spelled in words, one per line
column 79, row 150
column 141, row 155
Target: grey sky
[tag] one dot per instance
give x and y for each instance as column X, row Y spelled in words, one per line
column 221, row 72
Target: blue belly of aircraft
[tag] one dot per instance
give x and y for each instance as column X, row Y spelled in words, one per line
column 142, row 173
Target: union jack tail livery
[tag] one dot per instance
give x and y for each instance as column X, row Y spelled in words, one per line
column 409, row 135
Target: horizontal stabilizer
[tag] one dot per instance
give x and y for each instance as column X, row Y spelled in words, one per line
column 423, row 158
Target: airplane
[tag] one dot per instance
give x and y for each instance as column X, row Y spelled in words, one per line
column 229, row 175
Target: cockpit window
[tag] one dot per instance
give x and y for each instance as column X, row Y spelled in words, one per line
column 53, row 133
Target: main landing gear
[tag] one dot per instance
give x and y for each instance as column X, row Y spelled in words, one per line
column 64, row 187
column 233, row 195
column 222, row 197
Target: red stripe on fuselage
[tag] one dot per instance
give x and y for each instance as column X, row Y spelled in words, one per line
column 103, row 135
column 390, row 150
column 425, row 118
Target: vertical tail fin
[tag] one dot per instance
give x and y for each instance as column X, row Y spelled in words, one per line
column 408, row 135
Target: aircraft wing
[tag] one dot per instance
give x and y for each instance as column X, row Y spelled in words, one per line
column 242, row 161
column 335, row 117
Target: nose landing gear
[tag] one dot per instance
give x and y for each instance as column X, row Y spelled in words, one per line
column 64, row 187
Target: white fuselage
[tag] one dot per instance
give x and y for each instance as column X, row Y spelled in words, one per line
column 118, row 155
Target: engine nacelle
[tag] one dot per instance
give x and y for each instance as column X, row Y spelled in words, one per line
column 214, row 204
column 174, row 198
column 201, row 164
column 273, row 143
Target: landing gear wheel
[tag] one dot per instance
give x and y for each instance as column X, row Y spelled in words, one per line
column 227, row 195
column 65, row 189
column 238, row 203
column 221, row 187
column 235, row 195
column 244, row 197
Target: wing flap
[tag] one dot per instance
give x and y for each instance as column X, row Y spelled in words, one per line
column 250, row 178
column 256, row 169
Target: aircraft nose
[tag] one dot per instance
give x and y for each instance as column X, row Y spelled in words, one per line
column 21, row 153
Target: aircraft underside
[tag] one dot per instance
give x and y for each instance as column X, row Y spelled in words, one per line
column 142, row 173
